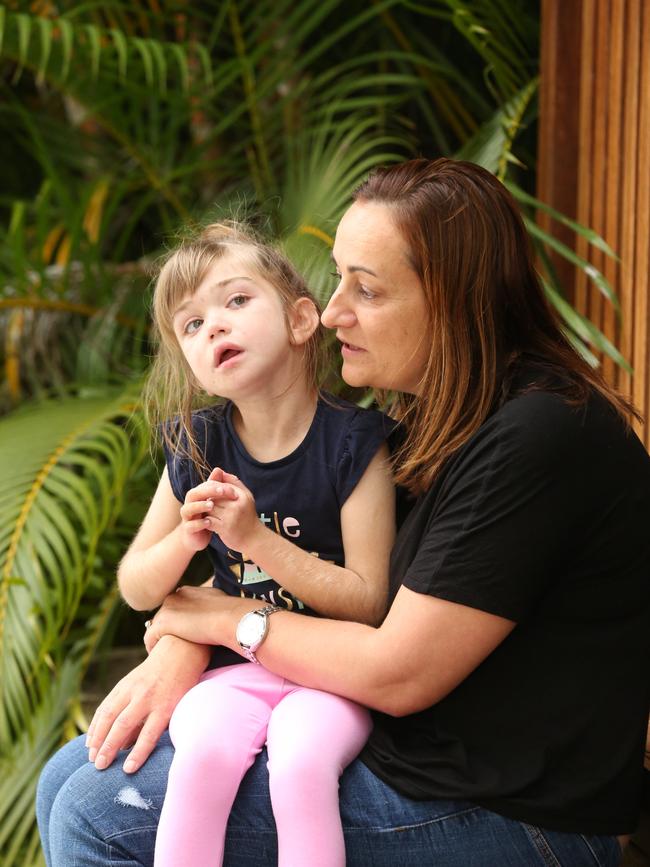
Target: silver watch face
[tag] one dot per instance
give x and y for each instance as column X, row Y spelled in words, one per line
column 250, row 629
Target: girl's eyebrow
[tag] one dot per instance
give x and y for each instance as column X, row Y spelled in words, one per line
column 220, row 284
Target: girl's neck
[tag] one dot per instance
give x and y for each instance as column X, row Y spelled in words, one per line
column 272, row 428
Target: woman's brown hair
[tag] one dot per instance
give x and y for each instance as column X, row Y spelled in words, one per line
column 172, row 392
column 468, row 245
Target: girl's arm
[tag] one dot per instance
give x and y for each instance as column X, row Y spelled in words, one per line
column 357, row 591
column 163, row 547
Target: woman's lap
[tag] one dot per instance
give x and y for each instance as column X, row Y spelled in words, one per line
column 108, row 817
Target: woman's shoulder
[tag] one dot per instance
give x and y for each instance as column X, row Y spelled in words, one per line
column 548, row 428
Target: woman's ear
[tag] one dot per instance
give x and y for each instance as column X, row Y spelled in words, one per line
column 303, row 321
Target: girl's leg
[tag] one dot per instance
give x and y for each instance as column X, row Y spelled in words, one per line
column 312, row 737
column 217, row 729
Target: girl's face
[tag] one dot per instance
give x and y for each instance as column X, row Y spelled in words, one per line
column 234, row 335
column 379, row 308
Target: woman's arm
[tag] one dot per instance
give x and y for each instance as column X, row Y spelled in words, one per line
column 357, row 591
column 137, row 710
column 424, row 648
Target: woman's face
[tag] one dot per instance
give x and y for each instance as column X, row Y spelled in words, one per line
column 379, row 309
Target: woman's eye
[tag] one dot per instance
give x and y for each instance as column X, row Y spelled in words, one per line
column 335, row 274
column 238, row 301
column 192, row 326
column 366, row 293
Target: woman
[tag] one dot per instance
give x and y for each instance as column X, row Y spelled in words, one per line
column 508, row 677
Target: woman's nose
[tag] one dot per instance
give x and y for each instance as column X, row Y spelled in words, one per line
column 337, row 314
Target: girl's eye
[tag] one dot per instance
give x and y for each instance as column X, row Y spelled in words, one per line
column 238, row 301
column 192, row 326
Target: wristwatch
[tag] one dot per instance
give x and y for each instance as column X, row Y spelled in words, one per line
column 252, row 630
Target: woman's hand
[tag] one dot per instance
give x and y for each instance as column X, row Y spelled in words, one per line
column 138, row 708
column 193, row 613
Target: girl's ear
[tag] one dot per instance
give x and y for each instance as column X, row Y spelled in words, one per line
column 303, row 321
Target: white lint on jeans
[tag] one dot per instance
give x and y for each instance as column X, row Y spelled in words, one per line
column 130, row 797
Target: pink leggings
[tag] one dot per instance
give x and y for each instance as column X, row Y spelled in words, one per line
column 217, row 730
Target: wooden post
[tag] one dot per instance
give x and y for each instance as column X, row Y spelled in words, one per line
column 594, row 164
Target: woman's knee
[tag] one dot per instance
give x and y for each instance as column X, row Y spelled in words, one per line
column 54, row 775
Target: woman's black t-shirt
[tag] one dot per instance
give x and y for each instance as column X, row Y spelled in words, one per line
column 543, row 518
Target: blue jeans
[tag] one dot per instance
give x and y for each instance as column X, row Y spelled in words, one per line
column 90, row 818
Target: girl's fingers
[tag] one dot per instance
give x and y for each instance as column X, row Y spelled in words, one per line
column 233, row 480
column 190, row 510
column 197, row 526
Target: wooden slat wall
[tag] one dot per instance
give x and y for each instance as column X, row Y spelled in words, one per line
column 594, row 164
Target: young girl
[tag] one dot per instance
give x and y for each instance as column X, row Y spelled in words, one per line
column 275, row 481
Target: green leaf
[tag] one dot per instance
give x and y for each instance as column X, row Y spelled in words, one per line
column 585, row 329
column 204, row 59
column 183, row 67
column 94, row 40
column 46, row 27
column 24, row 25
column 121, row 48
column 584, row 231
column 145, row 53
column 590, row 270
column 67, row 39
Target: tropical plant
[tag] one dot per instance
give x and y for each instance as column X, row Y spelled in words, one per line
column 123, row 122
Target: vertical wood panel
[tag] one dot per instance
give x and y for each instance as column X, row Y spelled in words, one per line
column 641, row 380
column 586, row 50
column 610, row 322
column 609, row 151
column 629, row 150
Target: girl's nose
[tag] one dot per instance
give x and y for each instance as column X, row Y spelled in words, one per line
column 217, row 325
column 337, row 314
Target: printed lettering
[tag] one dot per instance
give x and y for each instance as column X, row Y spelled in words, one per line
column 291, row 527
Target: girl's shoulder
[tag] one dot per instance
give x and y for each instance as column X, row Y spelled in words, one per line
column 349, row 418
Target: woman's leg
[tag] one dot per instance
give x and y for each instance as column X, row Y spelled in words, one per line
column 384, row 829
column 217, row 729
column 106, row 818
column 312, row 737
column 54, row 775
column 101, row 818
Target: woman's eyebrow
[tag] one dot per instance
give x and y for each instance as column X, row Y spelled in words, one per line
column 353, row 268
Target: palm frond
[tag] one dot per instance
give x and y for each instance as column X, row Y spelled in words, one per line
column 64, row 465
column 53, row 46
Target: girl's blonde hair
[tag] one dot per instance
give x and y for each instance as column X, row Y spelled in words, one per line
column 172, row 392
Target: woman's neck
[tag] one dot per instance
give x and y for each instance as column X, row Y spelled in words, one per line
column 272, row 428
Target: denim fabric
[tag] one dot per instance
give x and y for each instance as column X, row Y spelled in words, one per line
column 101, row 818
